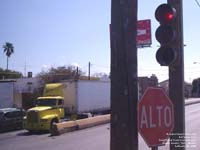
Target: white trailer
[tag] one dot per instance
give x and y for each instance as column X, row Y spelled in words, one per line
column 86, row 96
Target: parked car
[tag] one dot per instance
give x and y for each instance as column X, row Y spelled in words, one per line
column 11, row 118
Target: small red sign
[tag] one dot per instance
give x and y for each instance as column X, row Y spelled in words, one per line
column 155, row 117
column 143, row 33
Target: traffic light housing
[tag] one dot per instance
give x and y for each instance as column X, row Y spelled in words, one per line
column 165, row 34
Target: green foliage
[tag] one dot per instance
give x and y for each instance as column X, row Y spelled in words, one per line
column 9, row 74
column 58, row 74
column 8, row 49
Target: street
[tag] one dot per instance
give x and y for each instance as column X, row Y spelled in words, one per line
column 95, row 138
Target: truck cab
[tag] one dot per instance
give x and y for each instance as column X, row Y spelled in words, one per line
column 47, row 111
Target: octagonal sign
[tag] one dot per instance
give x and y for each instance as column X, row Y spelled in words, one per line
column 155, row 117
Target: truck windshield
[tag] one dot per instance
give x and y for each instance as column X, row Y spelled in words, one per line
column 46, row 102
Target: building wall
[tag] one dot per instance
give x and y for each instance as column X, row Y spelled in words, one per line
column 164, row 85
column 187, row 88
column 27, row 85
column 6, row 94
column 12, row 91
column 24, row 91
column 145, row 82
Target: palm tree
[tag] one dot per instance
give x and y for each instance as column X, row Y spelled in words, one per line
column 8, row 49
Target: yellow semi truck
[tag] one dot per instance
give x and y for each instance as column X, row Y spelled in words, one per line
column 48, row 110
column 68, row 100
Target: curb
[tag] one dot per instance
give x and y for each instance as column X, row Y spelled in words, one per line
column 64, row 127
column 93, row 121
column 192, row 102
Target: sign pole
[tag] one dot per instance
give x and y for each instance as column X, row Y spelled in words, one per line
column 154, row 148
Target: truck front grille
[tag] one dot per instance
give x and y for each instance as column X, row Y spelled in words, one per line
column 32, row 117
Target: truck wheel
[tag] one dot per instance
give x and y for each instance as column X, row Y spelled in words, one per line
column 53, row 122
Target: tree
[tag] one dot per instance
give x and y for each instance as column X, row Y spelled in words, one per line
column 60, row 73
column 9, row 74
column 8, row 49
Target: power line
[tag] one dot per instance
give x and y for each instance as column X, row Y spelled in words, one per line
column 197, row 2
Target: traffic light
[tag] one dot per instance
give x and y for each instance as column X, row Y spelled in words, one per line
column 165, row 34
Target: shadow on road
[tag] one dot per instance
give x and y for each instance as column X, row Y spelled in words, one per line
column 28, row 133
column 9, row 130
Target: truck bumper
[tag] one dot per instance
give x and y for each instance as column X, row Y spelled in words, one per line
column 36, row 126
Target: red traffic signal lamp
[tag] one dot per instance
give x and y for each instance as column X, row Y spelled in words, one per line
column 165, row 14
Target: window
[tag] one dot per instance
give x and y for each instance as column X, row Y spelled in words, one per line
column 13, row 114
column 46, row 102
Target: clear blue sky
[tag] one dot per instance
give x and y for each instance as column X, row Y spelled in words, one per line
column 55, row 33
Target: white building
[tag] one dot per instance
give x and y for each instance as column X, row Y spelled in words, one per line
column 12, row 91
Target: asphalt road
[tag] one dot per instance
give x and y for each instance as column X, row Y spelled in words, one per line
column 96, row 138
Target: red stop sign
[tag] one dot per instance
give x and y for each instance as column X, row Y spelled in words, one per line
column 155, row 117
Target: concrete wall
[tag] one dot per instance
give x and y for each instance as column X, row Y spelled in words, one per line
column 6, row 94
column 27, row 85
column 11, row 91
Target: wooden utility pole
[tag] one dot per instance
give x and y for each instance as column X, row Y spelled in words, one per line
column 124, row 77
column 176, row 81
